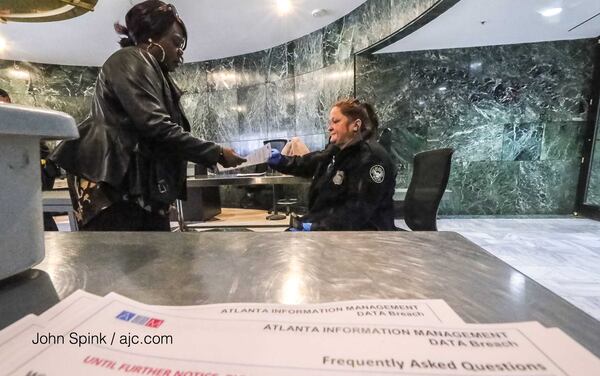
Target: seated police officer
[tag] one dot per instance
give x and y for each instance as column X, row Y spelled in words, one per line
column 353, row 178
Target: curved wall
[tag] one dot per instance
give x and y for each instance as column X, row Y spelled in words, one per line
column 525, row 166
column 242, row 100
column 516, row 116
column 287, row 90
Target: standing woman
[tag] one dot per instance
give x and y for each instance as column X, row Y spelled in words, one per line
column 353, row 178
column 129, row 164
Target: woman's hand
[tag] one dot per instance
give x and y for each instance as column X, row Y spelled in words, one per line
column 229, row 158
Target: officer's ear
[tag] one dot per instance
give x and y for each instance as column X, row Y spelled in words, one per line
column 357, row 125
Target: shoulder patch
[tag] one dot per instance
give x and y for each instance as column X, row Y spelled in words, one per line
column 377, row 173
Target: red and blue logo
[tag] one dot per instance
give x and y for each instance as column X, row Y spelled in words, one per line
column 134, row 318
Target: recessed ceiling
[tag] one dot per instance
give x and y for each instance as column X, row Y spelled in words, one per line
column 472, row 23
column 216, row 29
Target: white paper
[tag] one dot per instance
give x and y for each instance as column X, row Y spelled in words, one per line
column 256, row 157
column 57, row 320
column 413, row 311
column 295, row 347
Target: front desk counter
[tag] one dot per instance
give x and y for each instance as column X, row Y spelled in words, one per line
column 203, row 268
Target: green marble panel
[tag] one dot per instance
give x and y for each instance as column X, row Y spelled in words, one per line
column 337, row 45
column 192, row 78
column 482, row 188
column 471, row 142
column 281, row 109
column 403, row 12
column 548, row 187
column 195, row 106
column 510, row 112
column 309, row 108
column 280, row 62
column 78, row 107
column 252, row 113
column 563, row 140
column 522, row 142
column 222, row 115
column 221, row 74
column 251, row 69
column 59, row 80
column 19, row 78
column 383, row 82
column 550, row 80
column 370, row 22
column 308, row 53
column 338, row 83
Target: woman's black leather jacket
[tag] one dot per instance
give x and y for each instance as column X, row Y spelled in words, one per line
column 136, row 131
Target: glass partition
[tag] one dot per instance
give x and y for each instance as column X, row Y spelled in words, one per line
column 592, row 194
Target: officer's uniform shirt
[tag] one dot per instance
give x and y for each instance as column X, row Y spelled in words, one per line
column 352, row 188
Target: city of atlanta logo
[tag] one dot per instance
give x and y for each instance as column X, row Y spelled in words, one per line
column 377, row 173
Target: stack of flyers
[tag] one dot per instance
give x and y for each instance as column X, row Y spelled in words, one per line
column 112, row 335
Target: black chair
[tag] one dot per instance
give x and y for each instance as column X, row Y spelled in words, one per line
column 431, row 170
column 278, row 144
column 252, row 198
column 202, row 203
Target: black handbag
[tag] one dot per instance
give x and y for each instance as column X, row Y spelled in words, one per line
column 153, row 178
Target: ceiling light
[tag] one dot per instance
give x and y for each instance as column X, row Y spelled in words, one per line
column 318, row 12
column 3, row 44
column 284, row 7
column 550, row 12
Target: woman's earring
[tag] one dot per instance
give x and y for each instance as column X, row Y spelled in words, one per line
column 162, row 50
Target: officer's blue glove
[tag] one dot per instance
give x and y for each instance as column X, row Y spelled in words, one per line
column 305, row 227
column 275, row 158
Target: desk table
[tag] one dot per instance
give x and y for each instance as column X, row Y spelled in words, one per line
column 219, row 180
column 203, row 268
column 59, row 201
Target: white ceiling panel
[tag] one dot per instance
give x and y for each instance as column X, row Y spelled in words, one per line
column 216, row 29
column 472, row 23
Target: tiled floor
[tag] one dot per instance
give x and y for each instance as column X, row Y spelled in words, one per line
column 562, row 254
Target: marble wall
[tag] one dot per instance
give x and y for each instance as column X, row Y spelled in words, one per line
column 514, row 114
column 62, row 88
column 287, row 90
column 280, row 92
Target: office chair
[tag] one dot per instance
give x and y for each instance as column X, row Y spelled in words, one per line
column 202, row 203
column 431, row 170
column 278, row 144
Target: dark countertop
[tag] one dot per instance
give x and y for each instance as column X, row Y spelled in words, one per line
column 204, row 268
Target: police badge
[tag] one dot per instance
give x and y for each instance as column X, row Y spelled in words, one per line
column 338, row 179
column 377, row 173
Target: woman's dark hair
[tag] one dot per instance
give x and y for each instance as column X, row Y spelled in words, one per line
column 354, row 109
column 148, row 19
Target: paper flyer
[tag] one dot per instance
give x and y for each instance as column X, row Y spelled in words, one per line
column 115, row 335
